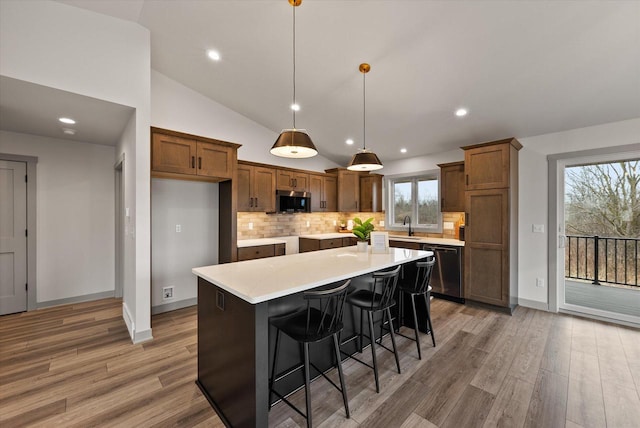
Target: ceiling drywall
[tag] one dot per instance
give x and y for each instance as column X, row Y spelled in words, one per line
column 34, row 109
column 522, row 68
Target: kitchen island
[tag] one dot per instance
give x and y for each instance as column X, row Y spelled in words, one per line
column 235, row 302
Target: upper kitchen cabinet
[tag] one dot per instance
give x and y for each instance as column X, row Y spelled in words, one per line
column 292, row 180
column 323, row 189
column 256, row 187
column 452, row 187
column 371, row 193
column 190, row 157
column 491, row 233
column 348, row 189
column 487, row 165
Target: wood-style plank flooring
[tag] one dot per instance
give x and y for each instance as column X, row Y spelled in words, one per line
column 75, row 366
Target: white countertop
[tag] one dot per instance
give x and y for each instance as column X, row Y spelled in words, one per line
column 260, row 280
column 328, row 235
column 257, row 242
column 427, row 240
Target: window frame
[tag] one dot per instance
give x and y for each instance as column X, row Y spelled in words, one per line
column 413, row 178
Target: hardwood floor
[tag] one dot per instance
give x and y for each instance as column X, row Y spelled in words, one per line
column 75, row 366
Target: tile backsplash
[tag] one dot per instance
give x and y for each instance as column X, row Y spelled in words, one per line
column 272, row 225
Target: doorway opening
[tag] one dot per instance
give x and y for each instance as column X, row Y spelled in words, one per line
column 598, row 224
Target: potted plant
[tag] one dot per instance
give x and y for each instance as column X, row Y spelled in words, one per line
column 362, row 230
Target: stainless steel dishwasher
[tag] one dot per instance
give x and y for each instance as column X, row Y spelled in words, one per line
column 446, row 278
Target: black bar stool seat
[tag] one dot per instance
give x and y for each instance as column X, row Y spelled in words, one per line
column 307, row 326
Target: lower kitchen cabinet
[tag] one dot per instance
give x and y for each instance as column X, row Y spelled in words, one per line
column 313, row 244
column 260, row 252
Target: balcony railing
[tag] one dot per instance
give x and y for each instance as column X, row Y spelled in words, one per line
column 602, row 260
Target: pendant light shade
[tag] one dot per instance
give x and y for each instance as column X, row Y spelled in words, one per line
column 364, row 160
column 294, row 143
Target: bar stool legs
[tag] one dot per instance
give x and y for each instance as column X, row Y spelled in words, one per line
column 336, row 345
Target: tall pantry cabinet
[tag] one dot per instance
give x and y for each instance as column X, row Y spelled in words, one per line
column 491, row 233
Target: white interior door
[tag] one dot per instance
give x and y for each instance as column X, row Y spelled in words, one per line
column 13, row 239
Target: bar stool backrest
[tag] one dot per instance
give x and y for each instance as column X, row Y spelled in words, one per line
column 386, row 281
column 423, row 275
column 331, row 307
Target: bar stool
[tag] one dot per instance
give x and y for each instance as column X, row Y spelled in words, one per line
column 420, row 287
column 312, row 325
column 378, row 299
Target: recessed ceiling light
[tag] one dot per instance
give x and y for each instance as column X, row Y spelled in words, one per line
column 214, row 55
column 295, row 107
column 403, row 150
column 461, row 112
column 349, row 141
column 67, row 120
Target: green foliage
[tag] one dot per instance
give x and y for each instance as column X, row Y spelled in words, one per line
column 363, row 229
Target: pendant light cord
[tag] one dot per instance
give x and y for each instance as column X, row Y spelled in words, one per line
column 364, row 111
column 294, row 67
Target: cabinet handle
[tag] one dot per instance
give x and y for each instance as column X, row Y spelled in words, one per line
column 256, row 202
column 199, row 162
column 193, row 161
column 250, row 202
column 467, row 179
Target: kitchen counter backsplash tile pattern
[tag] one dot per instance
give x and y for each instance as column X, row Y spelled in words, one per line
column 273, row 225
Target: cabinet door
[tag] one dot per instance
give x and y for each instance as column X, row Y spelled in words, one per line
column 348, row 191
column 301, row 182
column 284, row 180
column 330, row 243
column 452, row 188
column 264, row 189
column 371, row 193
column 487, row 247
column 214, row 160
column 173, row 154
column 487, row 167
column 305, row 245
column 330, row 193
column 245, row 198
column 316, row 184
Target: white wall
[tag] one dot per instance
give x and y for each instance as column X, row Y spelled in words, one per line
column 75, row 216
column 194, row 206
column 83, row 52
column 176, row 107
column 533, row 190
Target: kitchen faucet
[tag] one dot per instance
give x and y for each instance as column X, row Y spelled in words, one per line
column 404, row 223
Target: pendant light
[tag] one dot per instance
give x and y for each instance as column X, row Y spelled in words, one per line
column 364, row 160
column 294, row 143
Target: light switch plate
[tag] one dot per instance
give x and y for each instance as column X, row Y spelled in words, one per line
column 538, row 228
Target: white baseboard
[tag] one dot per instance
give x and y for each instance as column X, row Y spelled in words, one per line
column 142, row 336
column 76, row 299
column 533, row 304
column 128, row 320
column 167, row 307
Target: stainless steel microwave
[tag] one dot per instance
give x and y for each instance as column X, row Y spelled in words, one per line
column 293, row 202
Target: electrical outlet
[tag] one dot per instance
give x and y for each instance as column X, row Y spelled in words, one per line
column 381, row 223
column 540, row 282
column 250, row 226
column 447, row 225
column 178, row 228
column 335, row 222
column 167, row 293
column 308, row 223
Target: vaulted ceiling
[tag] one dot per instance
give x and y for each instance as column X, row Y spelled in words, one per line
column 521, row 68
